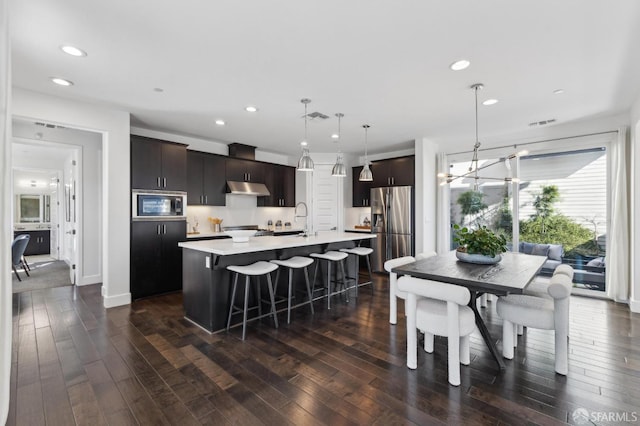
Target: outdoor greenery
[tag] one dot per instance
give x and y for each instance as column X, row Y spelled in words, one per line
column 479, row 241
column 548, row 227
column 471, row 203
column 503, row 219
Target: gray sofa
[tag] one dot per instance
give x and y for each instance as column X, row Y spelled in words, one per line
column 554, row 253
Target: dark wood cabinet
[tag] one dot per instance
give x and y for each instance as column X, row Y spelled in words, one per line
column 157, row 164
column 361, row 190
column 206, row 179
column 394, row 172
column 281, row 182
column 156, row 259
column 39, row 242
column 244, row 170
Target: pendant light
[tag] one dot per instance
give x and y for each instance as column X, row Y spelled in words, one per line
column 365, row 174
column 305, row 164
column 339, row 170
column 474, row 169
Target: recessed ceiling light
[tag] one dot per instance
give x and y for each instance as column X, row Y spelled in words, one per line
column 73, row 51
column 460, row 65
column 558, row 91
column 335, row 136
column 220, row 122
column 251, row 108
column 490, row 102
column 61, row 81
column 303, row 143
column 158, row 89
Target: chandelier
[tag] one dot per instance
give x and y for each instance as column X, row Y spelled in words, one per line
column 473, row 172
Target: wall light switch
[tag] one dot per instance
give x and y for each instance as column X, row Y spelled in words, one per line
column 207, row 262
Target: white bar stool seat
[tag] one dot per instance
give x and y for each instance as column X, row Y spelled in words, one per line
column 330, row 257
column 295, row 262
column 358, row 252
column 256, row 269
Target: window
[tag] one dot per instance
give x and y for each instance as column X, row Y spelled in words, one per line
column 560, row 205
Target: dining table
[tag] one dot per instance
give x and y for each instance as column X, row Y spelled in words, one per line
column 509, row 276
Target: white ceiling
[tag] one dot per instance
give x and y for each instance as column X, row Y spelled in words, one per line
column 385, row 63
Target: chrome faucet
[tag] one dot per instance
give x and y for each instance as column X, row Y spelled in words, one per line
column 305, row 216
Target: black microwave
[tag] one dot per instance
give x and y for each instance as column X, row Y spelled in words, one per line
column 148, row 205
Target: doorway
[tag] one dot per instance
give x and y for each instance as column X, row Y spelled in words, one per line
column 75, row 220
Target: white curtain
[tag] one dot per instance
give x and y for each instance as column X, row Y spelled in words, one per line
column 5, row 210
column 443, row 226
column 617, row 261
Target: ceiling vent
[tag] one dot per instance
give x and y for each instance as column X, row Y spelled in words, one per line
column 542, row 123
column 316, row 116
column 48, row 126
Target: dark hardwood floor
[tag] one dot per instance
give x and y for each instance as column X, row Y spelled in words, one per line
column 76, row 363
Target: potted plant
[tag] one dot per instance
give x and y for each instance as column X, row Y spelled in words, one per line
column 480, row 245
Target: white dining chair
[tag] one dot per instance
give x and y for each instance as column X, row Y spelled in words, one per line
column 394, row 293
column 539, row 312
column 440, row 309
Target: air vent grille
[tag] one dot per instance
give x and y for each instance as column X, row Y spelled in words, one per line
column 542, row 123
column 316, row 116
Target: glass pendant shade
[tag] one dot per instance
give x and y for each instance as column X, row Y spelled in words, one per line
column 339, row 169
column 305, row 164
column 365, row 174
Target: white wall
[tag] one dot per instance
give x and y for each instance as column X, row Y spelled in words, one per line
column 425, row 194
column 114, row 127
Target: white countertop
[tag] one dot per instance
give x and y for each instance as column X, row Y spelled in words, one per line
column 226, row 246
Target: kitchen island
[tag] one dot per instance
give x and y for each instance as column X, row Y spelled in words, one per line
column 207, row 283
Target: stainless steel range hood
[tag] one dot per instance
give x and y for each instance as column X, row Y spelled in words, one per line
column 247, row 188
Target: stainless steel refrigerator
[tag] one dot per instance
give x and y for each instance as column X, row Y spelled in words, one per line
column 392, row 222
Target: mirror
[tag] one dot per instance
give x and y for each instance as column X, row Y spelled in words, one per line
column 33, row 208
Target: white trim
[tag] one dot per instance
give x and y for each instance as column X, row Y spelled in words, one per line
column 89, row 279
column 117, row 300
column 634, row 305
column 594, row 294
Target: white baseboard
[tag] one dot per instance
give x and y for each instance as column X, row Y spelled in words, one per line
column 117, row 300
column 89, row 279
column 634, row 305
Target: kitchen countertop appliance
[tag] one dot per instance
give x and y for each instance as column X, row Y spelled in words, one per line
column 392, row 221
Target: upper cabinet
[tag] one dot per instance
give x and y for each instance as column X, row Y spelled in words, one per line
column 361, row 190
column 157, row 164
column 206, row 180
column 394, row 172
column 281, row 183
column 244, row 170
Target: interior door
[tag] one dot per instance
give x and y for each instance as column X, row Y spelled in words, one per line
column 70, row 213
column 325, row 198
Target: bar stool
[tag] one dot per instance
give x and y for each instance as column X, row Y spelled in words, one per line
column 358, row 252
column 330, row 257
column 254, row 270
column 296, row 262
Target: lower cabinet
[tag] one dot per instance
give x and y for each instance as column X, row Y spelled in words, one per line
column 39, row 242
column 156, row 259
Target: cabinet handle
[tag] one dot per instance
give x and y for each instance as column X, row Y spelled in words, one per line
column 164, row 182
column 158, row 230
column 249, row 176
column 164, row 229
column 159, row 182
column 393, row 181
column 205, row 199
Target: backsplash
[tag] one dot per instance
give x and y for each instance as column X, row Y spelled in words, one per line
column 240, row 210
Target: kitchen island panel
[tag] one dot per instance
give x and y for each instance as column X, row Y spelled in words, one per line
column 207, row 283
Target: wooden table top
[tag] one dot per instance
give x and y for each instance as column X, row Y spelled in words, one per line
column 511, row 275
